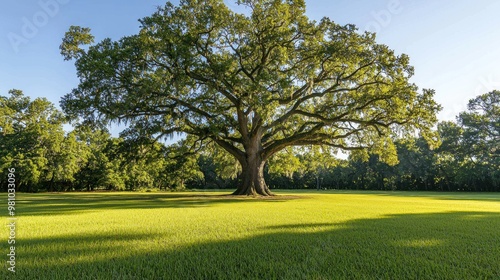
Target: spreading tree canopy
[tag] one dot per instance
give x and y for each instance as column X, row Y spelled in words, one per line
column 254, row 83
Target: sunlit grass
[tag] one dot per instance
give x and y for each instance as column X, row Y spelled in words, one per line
column 299, row 235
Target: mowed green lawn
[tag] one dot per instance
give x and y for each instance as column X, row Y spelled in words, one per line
column 298, row 235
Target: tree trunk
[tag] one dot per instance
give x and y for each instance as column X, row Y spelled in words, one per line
column 251, row 181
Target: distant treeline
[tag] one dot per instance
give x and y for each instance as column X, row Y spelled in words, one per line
column 46, row 158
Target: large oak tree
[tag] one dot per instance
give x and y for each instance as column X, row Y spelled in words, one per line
column 254, row 82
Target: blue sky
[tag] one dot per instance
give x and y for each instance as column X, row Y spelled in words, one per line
column 454, row 45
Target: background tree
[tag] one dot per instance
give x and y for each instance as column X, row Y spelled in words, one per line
column 482, row 127
column 31, row 138
column 285, row 163
column 64, row 163
column 450, row 155
column 481, row 139
column 417, row 165
column 317, row 160
column 219, row 168
column 96, row 168
column 182, row 165
column 252, row 83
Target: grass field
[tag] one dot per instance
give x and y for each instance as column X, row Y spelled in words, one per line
column 299, row 235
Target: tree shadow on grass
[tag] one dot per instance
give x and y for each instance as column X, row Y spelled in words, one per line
column 58, row 204
column 454, row 245
column 475, row 196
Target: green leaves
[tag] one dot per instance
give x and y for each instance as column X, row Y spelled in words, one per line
column 31, row 137
column 76, row 36
column 481, row 128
